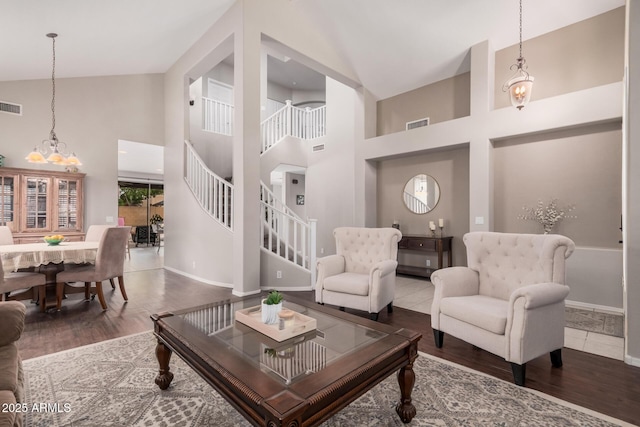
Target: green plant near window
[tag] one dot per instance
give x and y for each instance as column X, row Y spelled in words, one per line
column 130, row 196
column 274, row 298
column 156, row 219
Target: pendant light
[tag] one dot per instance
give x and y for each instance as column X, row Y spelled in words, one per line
column 520, row 84
column 55, row 150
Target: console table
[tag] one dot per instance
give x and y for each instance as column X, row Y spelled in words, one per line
column 426, row 245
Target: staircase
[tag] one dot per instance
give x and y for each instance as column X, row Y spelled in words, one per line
column 214, row 193
column 285, row 234
column 414, row 204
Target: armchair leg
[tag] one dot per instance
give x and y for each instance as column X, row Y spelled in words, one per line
column 390, row 307
column 373, row 316
column 556, row 358
column 519, row 372
column 438, row 336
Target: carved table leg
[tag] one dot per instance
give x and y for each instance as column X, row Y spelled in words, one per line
column 165, row 376
column 406, row 380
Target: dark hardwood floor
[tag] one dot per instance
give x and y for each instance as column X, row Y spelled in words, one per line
column 598, row 383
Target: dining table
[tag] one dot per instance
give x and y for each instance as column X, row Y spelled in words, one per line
column 47, row 259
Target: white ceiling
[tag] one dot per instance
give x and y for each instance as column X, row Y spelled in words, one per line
column 139, row 157
column 100, row 37
column 393, row 46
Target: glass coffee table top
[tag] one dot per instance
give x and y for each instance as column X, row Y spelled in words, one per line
column 287, row 361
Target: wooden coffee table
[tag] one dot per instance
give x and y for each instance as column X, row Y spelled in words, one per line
column 299, row 382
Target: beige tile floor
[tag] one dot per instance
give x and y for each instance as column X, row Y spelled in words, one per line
column 144, row 258
column 417, row 294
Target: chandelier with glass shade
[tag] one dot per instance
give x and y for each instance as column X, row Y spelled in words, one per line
column 520, row 83
column 52, row 150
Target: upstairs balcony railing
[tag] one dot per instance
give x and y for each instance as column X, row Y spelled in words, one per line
column 217, row 116
column 303, row 123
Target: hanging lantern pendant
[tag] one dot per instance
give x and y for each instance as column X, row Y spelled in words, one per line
column 520, row 84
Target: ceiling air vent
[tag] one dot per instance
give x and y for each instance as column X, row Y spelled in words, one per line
column 7, row 107
column 319, row 147
column 418, row 123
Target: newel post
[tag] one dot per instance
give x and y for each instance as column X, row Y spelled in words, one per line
column 289, row 107
column 313, row 225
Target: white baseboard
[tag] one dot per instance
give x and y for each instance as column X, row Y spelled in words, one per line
column 594, row 307
column 230, row 285
column 245, row 294
column 633, row 361
column 285, row 289
column 199, row 279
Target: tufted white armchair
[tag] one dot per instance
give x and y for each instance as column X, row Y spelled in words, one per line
column 509, row 301
column 362, row 274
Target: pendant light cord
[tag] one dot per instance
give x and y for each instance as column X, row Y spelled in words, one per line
column 520, row 28
column 52, row 134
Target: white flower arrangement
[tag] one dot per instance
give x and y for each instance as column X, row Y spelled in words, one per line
column 548, row 216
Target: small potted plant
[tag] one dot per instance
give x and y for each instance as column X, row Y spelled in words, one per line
column 271, row 305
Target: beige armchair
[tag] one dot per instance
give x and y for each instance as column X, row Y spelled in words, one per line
column 362, row 274
column 509, row 301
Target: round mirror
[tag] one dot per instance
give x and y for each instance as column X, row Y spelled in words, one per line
column 421, row 194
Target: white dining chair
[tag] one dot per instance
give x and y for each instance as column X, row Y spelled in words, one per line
column 6, row 236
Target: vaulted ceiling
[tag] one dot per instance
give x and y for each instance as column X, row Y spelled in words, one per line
column 393, row 46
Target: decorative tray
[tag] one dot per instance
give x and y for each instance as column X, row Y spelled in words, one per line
column 252, row 317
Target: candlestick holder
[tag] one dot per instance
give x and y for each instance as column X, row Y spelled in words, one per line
column 433, row 232
column 442, row 231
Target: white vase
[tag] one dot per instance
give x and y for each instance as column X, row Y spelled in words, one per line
column 270, row 313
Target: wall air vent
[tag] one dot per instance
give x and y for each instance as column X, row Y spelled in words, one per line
column 319, row 147
column 7, row 107
column 418, row 123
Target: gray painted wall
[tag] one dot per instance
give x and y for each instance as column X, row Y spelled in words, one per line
column 631, row 173
column 587, row 54
column 92, row 114
column 579, row 165
column 451, row 169
column 441, row 101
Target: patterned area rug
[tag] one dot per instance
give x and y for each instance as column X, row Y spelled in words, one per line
column 112, row 384
column 595, row 321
